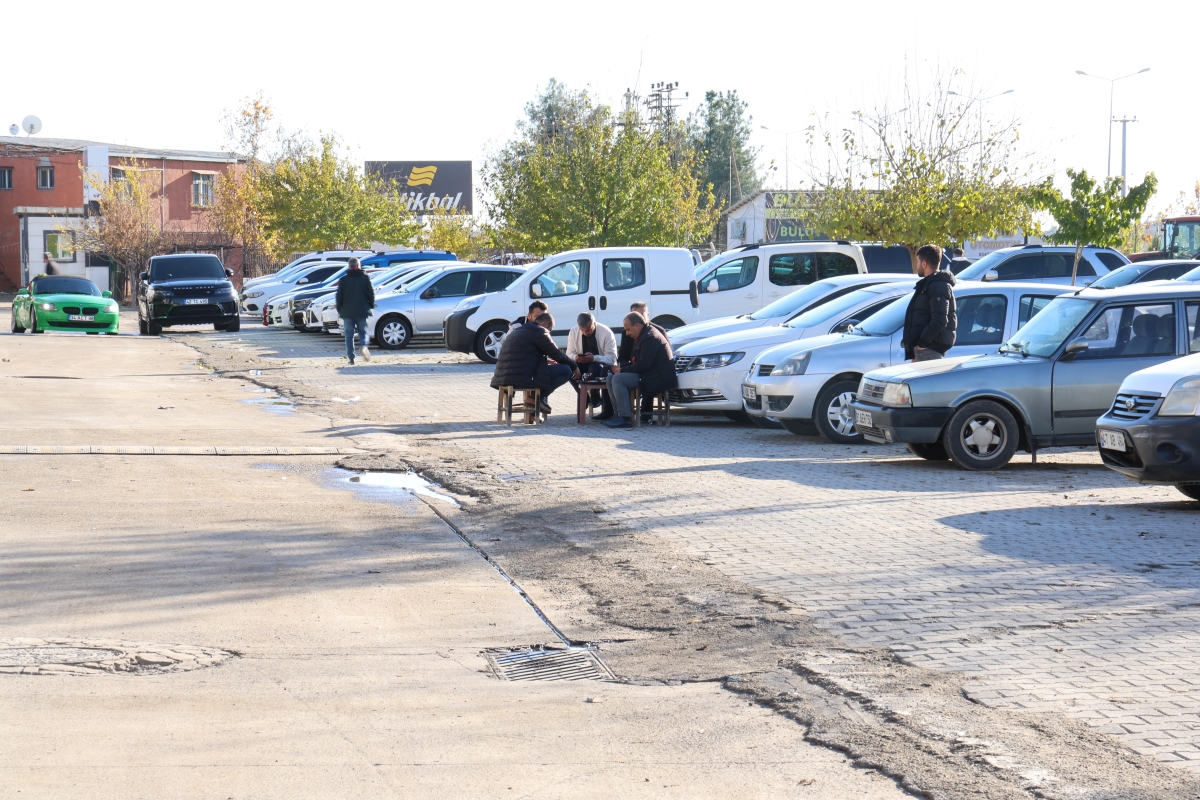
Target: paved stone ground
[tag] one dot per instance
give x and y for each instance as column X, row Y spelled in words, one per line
column 1059, row 586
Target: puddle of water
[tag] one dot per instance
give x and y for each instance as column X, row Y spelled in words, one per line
column 408, row 482
column 273, row 402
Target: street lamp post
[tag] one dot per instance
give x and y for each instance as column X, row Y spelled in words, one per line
column 1112, row 83
column 979, row 115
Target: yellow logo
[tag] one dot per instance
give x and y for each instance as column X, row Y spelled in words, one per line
column 421, row 176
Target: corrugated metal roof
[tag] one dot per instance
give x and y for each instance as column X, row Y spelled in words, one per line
column 26, row 143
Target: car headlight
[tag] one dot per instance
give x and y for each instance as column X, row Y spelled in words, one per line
column 251, row 295
column 1183, row 400
column 714, row 361
column 47, row 307
column 470, row 302
column 793, row 365
column 897, row 394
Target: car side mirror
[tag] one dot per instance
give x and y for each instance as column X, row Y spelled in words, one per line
column 228, row 272
column 143, row 276
column 536, row 290
column 1077, row 346
column 23, row 292
column 428, row 294
column 106, row 294
column 302, row 280
column 991, row 275
column 712, row 286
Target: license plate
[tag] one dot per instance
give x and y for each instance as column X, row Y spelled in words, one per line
column 80, row 318
column 749, row 392
column 199, row 301
column 1112, row 440
column 863, row 419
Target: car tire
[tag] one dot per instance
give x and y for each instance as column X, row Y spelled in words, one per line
column 800, row 427
column 153, row 328
column 930, row 451
column 833, row 415
column 667, row 322
column 1191, row 490
column 982, row 435
column 142, row 329
column 234, row 325
column 14, row 326
column 766, row 423
column 393, row 332
column 33, row 322
column 487, row 342
column 740, row 417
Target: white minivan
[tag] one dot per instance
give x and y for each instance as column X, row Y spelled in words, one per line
column 602, row 280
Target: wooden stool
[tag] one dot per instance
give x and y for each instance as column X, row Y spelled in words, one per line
column 660, row 409
column 529, row 407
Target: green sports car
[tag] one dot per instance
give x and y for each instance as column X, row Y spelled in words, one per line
column 60, row 303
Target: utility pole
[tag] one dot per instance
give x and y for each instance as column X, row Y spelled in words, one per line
column 1124, row 128
column 660, row 106
column 1112, row 83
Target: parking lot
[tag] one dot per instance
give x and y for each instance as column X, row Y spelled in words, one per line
column 1056, row 587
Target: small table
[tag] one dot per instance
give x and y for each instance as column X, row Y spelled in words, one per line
column 586, row 387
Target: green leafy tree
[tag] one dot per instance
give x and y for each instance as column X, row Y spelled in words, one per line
column 584, row 178
column 1095, row 213
column 719, row 132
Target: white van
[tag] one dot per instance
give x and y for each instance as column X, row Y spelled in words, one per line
column 602, row 280
column 743, row 280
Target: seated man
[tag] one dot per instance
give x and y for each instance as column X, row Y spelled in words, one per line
column 651, row 368
column 594, row 347
column 522, row 361
column 536, row 309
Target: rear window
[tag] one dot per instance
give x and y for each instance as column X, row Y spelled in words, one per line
column 57, row 285
column 894, row 259
column 798, row 269
column 186, row 268
column 1110, row 260
column 624, row 273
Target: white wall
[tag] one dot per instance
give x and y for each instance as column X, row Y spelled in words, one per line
column 38, row 227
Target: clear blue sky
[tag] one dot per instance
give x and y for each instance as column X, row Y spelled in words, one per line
column 448, row 80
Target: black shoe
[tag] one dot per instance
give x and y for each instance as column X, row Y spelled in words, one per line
column 603, row 415
column 646, row 418
column 544, row 407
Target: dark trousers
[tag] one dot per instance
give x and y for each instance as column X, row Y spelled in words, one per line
column 548, row 378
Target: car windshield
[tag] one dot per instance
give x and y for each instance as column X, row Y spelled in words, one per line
column 1122, row 276
column 797, row 300
column 976, row 271
column 886, row 321
column 186, row 268
column 835, row 307
column 1191, row 277
column 1049, row 328
column 65, row 286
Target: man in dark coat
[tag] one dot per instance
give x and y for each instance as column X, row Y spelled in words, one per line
column 355, row 299
column 931, row 321
column 651, row 368
column 522, row 361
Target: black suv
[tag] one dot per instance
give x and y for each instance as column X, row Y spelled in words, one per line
column 187, row 289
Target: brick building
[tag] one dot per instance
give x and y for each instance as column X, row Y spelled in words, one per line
column 42, row 186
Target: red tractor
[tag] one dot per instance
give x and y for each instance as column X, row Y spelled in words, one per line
column 1180, row 238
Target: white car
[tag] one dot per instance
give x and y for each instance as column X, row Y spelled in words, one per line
column 813, row 382
column 308, row 259
column 324, row 312
column 710, row 370
column 255, row 298
column 420, row 306
column 783, row 309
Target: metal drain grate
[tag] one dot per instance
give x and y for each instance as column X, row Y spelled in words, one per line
column 549, row 665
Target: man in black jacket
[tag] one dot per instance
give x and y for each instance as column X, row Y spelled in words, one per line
column 355, row 299
column 931, row 321
column 522, row 361
column 651, row 368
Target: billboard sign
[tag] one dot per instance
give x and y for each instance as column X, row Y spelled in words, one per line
column 429, row 185
column 787, row 217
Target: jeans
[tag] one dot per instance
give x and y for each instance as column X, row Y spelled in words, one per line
column 928, row 354
column 548, row 378
column 351, row 325
column 619, row 387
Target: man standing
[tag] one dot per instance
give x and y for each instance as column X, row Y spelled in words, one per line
column 48, row 265
column 355, row 299
column 522, row 361
column 651, row 368
column 931, row 321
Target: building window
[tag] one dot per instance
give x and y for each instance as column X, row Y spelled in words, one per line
column 60, row 246
column 45, row 177
column 202, row 189
column 5, row 177
column 117, row 173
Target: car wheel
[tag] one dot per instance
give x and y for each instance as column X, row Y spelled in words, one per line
column 15, row 327
column 393, row 333
column 234, row 325
column 667, row 322
column 982, row 435
column 740, row 417
column 33, row 322
column 930, row 451
column 153, row 328
column 767, row 423
column 834, row 416
column 800, row 427
column 487, row 343
column 142, row 329
column 1191, row 490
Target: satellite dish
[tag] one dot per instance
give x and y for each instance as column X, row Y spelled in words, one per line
column 31, row 125
column 14, row 129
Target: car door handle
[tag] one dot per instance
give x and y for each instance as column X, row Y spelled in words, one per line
column 603, row 303
column 751, row 296
column 591, row 304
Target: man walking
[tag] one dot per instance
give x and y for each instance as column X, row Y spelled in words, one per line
column 355, row 299
column 651, row 368
column 522, row 362
column 931, row 321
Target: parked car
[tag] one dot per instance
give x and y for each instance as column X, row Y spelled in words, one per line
column 710, row 371
column 255, row 298
column 63, row 303
column 1152, row 431
column 1047, row 385
column 1144, row 272
column 1192, row 276
column 808, row 386
column 291, row 308
column 1044, row 264
column 392, row 280
column 308, row 259
column 783, row 309
column 420, row 307
column 745, row 279
column 395, row 258
column 603, row 280
column 187, row 289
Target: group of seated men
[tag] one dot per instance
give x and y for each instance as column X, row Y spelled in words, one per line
column 529, row 359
